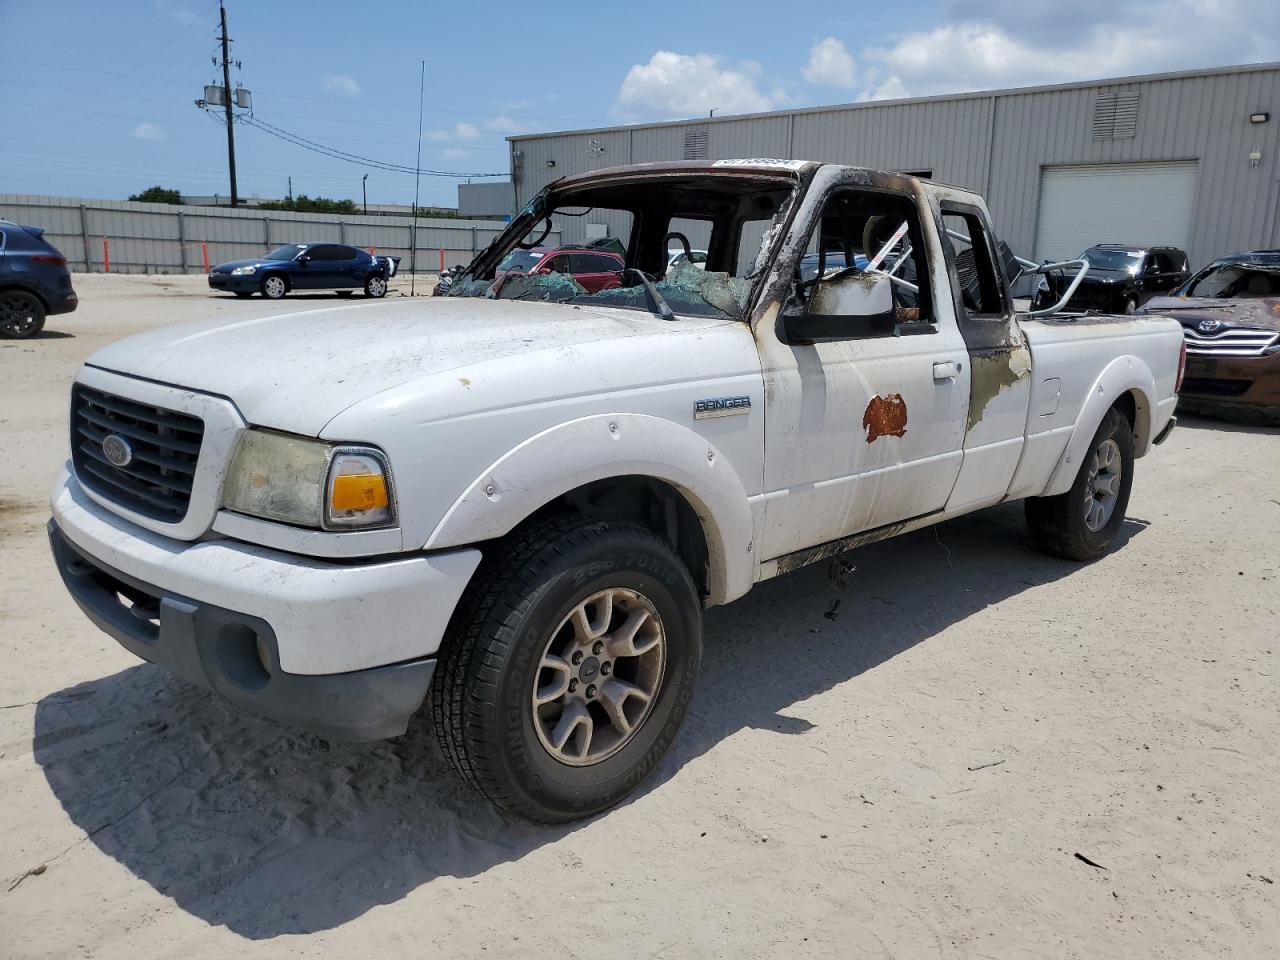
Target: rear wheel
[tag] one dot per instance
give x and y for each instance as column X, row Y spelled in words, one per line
column 568, row 668
column 274, row 287
column 1082, row 523
column 376, row 286
column 21, row 314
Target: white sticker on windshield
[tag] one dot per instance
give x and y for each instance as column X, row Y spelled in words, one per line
column 762, row 162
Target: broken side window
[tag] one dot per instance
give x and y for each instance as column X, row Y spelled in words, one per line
column 981, row 290
column 866, row 273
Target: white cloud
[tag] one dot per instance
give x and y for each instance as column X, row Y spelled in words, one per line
column 675, row 85
column 502, row 123
column 342, row 83
column 830, row 64
column 985, row 47
column 148, row 131
column 459, row 131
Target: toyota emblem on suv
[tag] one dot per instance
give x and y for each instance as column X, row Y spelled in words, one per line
column 1208, row 326
column 117, row 450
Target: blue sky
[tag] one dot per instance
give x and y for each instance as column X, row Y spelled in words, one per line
column 96, row 99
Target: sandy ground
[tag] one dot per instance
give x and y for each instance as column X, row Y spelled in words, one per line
column 923, row 776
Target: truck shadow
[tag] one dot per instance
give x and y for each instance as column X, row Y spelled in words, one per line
column 249, row 824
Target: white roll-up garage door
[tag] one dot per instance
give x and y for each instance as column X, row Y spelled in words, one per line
column 1137, row 203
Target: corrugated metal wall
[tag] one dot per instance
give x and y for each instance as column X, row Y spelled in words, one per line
column 160, row 238
column 486, row 199
column 997, row 144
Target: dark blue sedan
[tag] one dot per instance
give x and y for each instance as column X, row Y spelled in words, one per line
column 306, row 266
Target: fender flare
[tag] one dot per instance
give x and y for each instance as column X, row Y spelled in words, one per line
column 600, row 447
column 1126, row 374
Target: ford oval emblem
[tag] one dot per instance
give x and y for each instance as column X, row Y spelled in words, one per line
column 1208, row 326
column 117, row 450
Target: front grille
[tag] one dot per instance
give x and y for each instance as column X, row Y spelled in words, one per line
column 165, row 445
column 1229, row 342
column 1214, row 387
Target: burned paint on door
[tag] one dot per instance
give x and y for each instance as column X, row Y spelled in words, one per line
column 885, row 416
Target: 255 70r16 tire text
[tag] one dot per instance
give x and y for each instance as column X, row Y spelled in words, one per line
column 568, row 667
column 1082, row 523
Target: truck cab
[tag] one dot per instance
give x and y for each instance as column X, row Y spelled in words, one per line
column 513, row 502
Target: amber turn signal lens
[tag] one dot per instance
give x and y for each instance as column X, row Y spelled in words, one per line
column 362, row 491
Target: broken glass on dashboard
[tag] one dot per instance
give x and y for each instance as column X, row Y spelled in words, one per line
column 729, row 213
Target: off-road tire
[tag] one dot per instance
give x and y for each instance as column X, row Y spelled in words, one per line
column 1058, row 523
column 489, row 662
column 22, row 314
column 274, row 291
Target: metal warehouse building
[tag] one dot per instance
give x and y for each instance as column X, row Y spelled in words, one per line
column 1185, row 159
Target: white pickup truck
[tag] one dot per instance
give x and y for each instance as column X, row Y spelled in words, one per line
column 514, row 502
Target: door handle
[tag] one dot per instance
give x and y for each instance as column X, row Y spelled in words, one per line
column 947, row 370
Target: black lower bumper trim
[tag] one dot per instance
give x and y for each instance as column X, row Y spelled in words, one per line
column 236, row 655
column 1164, row 434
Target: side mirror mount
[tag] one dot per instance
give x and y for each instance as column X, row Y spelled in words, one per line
column 303, row 260
column 852, row 303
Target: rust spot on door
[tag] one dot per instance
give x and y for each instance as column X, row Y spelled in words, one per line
column 885, row 417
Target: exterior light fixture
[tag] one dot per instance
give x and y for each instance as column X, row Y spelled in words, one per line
column 1259, row 117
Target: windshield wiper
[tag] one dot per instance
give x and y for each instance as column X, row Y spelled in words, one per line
column 660, row 305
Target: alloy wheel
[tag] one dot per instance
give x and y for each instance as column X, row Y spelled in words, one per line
column 598, row 677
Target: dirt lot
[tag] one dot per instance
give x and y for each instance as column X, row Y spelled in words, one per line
column 989, row 753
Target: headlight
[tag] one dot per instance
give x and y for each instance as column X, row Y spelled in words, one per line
column 243, row 271
column 309, row 483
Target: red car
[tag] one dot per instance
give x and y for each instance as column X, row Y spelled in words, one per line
column 594, row 270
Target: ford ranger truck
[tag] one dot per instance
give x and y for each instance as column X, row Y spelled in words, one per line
column 513, row 502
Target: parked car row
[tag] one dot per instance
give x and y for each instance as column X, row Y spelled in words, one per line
column 1229, row 311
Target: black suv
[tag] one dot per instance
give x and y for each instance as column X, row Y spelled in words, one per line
column 34, row 281
column 1121, row 278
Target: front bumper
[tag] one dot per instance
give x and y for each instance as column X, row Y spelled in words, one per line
column 1233, row 381
column 343, row 649
column 242, row 284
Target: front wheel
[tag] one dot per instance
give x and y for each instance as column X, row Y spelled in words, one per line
column 1130, row 306
column 568, row 668
column 1082, row 523
column 274, row 287
column 375, row 286
column 21, row 314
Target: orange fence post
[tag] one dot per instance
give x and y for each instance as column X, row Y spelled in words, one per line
column 204, row 253
column 106, row 256
column 442, row 259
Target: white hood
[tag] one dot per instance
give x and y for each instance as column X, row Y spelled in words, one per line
column 298, row 371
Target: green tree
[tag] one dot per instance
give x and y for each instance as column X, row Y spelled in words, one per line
column 304, row 204
column 157, row 195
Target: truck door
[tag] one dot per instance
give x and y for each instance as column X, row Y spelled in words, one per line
column 1000, row 361
column 865, row 411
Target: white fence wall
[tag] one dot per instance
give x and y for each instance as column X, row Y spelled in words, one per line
column 164, row 238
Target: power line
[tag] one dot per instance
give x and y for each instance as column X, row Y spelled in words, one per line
column 336, row 154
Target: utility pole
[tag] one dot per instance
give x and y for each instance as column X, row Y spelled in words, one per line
column 226, row 95
column 364, row 191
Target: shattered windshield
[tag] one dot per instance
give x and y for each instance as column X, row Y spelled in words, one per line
column 642, row 220
column 1230, row 281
